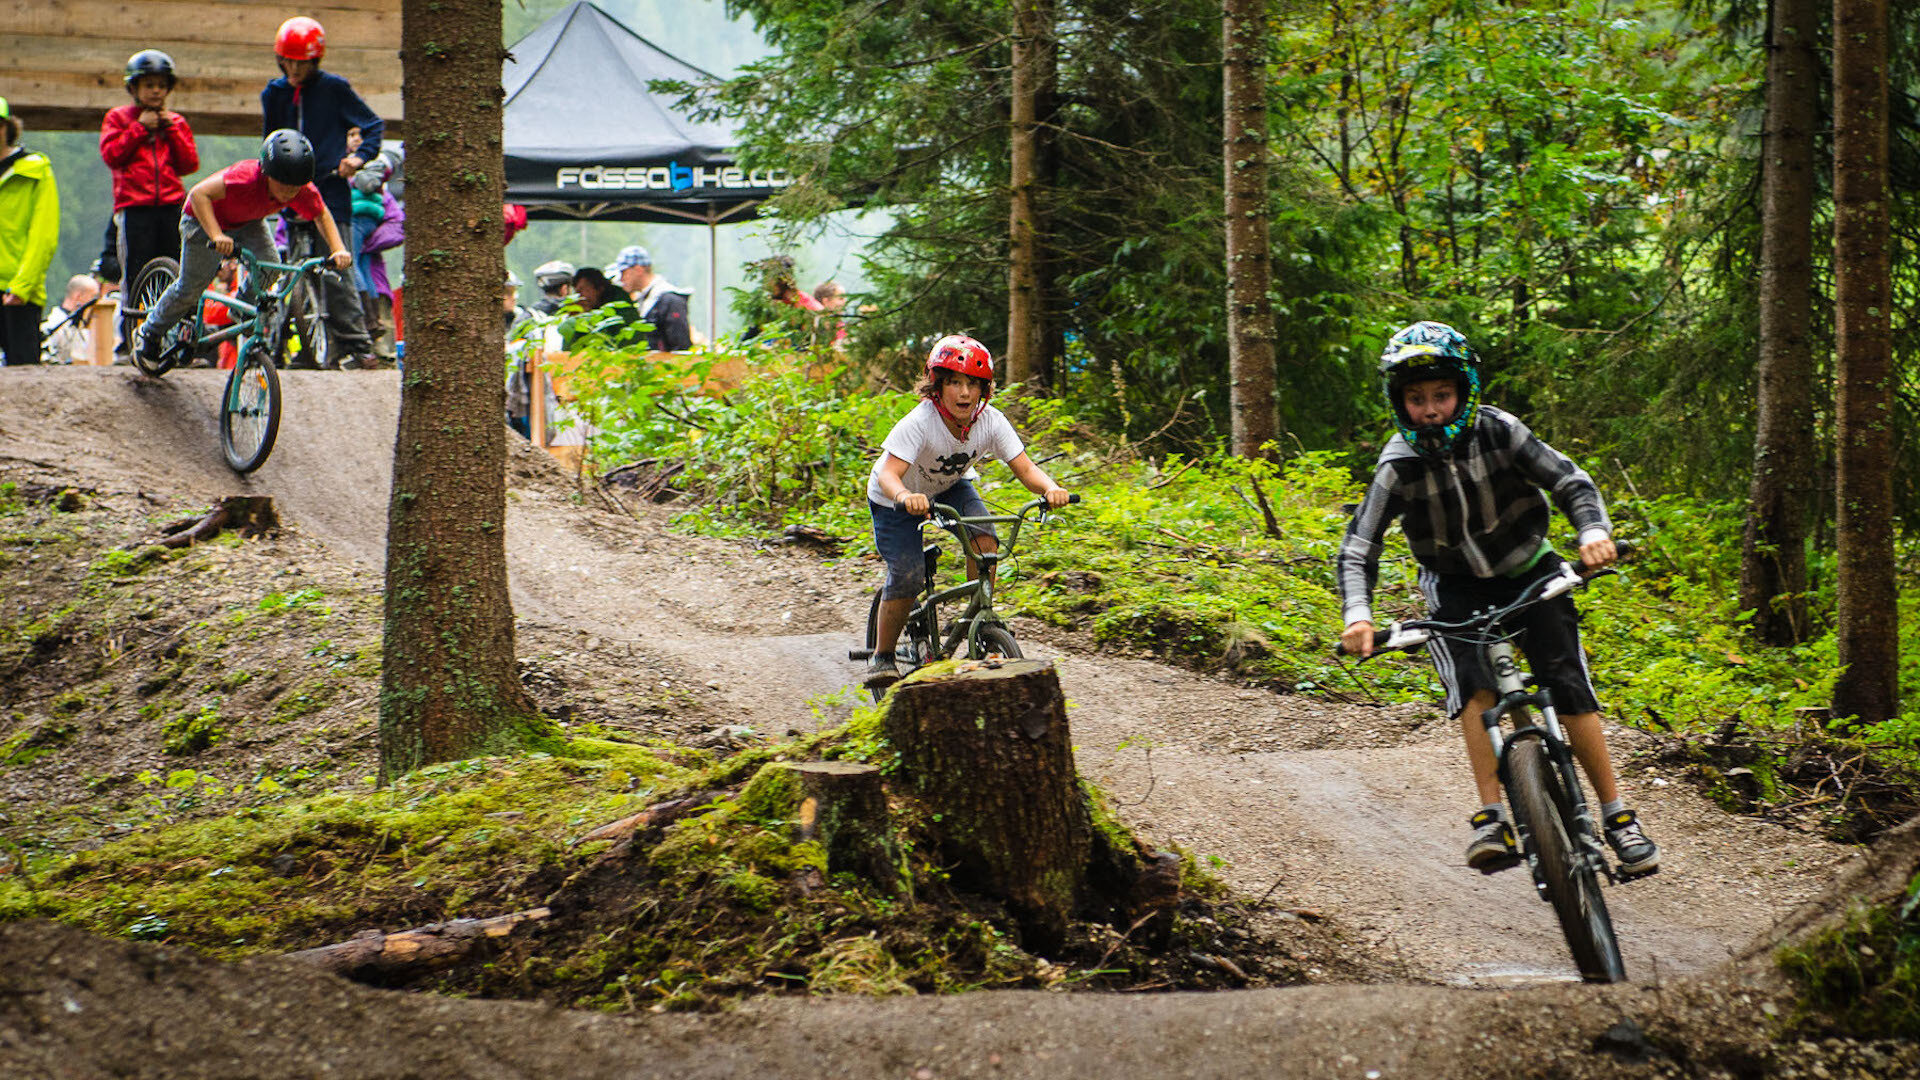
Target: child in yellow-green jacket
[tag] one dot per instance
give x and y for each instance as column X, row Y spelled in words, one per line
column 29, row 232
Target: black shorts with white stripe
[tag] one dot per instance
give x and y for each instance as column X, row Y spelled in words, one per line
column 1549, row 637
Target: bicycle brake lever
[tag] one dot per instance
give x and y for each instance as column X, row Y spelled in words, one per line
column 1564, row 582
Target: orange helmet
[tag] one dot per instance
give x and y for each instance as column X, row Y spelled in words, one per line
column 959, row 353
column 300, row 38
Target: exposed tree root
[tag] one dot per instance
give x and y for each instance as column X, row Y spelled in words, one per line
column 252, row 515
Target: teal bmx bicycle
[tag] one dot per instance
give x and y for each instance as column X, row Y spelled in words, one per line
column 263, row 324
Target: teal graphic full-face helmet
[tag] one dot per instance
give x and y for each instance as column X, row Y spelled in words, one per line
column 1430, row 350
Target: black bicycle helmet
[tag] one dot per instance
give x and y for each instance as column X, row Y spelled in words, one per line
column 150, row 62
column 286, row 156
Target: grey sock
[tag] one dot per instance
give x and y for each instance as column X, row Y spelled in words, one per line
column 1496, row 810
column 1608, row 810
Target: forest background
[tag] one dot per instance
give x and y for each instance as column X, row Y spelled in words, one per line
column 1576, row 186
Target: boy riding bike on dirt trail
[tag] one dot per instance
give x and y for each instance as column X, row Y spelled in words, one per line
column 930, row 454
column 1466, row 482
column 229, row 206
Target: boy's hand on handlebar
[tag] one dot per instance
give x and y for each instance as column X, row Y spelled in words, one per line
column 341, row 260
column 1057, row 497
column 1357, row 639
column 1598, row 553
column 915, row 503
column 222, row 244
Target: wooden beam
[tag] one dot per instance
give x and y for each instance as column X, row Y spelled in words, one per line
column 61, row 67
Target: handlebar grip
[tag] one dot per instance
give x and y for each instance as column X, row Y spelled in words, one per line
column 1073, row 497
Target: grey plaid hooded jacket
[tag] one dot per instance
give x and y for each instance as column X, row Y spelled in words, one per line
column 1480, row 511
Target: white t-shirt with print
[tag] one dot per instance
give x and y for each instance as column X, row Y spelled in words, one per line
column 935, row 459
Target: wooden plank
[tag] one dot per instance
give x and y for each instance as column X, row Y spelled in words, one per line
column 71, row 101
column 166, row 23
column 104, row 58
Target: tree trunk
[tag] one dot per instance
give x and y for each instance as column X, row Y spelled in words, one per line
column 1867, row 616
column 1773, row 567
column 1033, row 62
column 1250, row 329
column 448, row 684
column 987, row 750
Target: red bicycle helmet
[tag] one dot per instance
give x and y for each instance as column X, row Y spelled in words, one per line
column 959, row 353
column 300, row 38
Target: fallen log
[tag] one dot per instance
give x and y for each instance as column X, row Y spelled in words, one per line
column 377, row 957
column 660, row 814
column 252, row 515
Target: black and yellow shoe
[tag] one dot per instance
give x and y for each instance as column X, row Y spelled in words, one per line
column 1637, row 853
column 1493, row 847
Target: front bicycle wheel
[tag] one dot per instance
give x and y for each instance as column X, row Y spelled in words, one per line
column 1540, row 806
column 250, row 411
column 993, row 640
column 151, row 284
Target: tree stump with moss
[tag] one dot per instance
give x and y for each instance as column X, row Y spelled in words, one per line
column 843, row 807
column 986, row 748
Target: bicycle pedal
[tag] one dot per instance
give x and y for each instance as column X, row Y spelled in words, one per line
column 1495, row 866
column 1624, row 877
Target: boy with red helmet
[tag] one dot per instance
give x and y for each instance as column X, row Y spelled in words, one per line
column 930, row 455
column 323, row 107
column 148, row 147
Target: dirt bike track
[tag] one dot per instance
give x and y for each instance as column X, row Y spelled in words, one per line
column 1349, row 813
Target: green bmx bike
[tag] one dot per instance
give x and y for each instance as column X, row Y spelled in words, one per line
column 979, row 632
column 263, row 323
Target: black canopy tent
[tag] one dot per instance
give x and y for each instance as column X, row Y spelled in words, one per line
column 587, row 139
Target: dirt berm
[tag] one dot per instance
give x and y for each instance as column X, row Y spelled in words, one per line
column 1345, row 810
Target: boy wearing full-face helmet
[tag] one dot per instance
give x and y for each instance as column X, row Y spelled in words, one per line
column 1470, row 486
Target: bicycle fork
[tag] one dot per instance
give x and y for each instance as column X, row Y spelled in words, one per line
column 1513, row 693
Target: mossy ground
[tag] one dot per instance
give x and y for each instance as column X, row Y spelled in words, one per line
column 190, row 750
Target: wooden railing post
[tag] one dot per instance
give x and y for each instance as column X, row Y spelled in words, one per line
column 537, row 403
column 100, row 323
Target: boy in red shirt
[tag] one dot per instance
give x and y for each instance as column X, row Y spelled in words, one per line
column 149, row 147
column 228, row 206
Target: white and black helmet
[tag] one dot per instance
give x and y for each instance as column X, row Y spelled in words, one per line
column 551, row 276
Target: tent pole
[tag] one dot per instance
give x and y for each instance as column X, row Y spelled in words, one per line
column 713, row 278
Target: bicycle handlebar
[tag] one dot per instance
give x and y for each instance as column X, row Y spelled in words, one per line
column 1414, row 633
column 942, row 515
column 253, row 262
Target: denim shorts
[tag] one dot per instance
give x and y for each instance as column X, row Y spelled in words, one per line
column 896, row 536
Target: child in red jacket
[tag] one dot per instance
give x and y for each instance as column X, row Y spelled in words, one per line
column 149, row 147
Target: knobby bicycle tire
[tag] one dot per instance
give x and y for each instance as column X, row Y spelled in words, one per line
column 306, row 321
column 151, row 284
column 250, row 411
column 993, row 639
column 1572, row 887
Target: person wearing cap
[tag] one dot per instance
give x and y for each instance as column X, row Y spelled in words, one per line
column 148, row 148
column 29, row 233
column 555, row 280
column 324, row 107
column 657, row 300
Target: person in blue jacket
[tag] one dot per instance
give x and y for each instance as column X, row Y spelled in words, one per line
column 323, row 107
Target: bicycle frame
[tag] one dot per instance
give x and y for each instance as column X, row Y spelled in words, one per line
column 1511, row 687
column 1513, row 693
column 978, row 590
